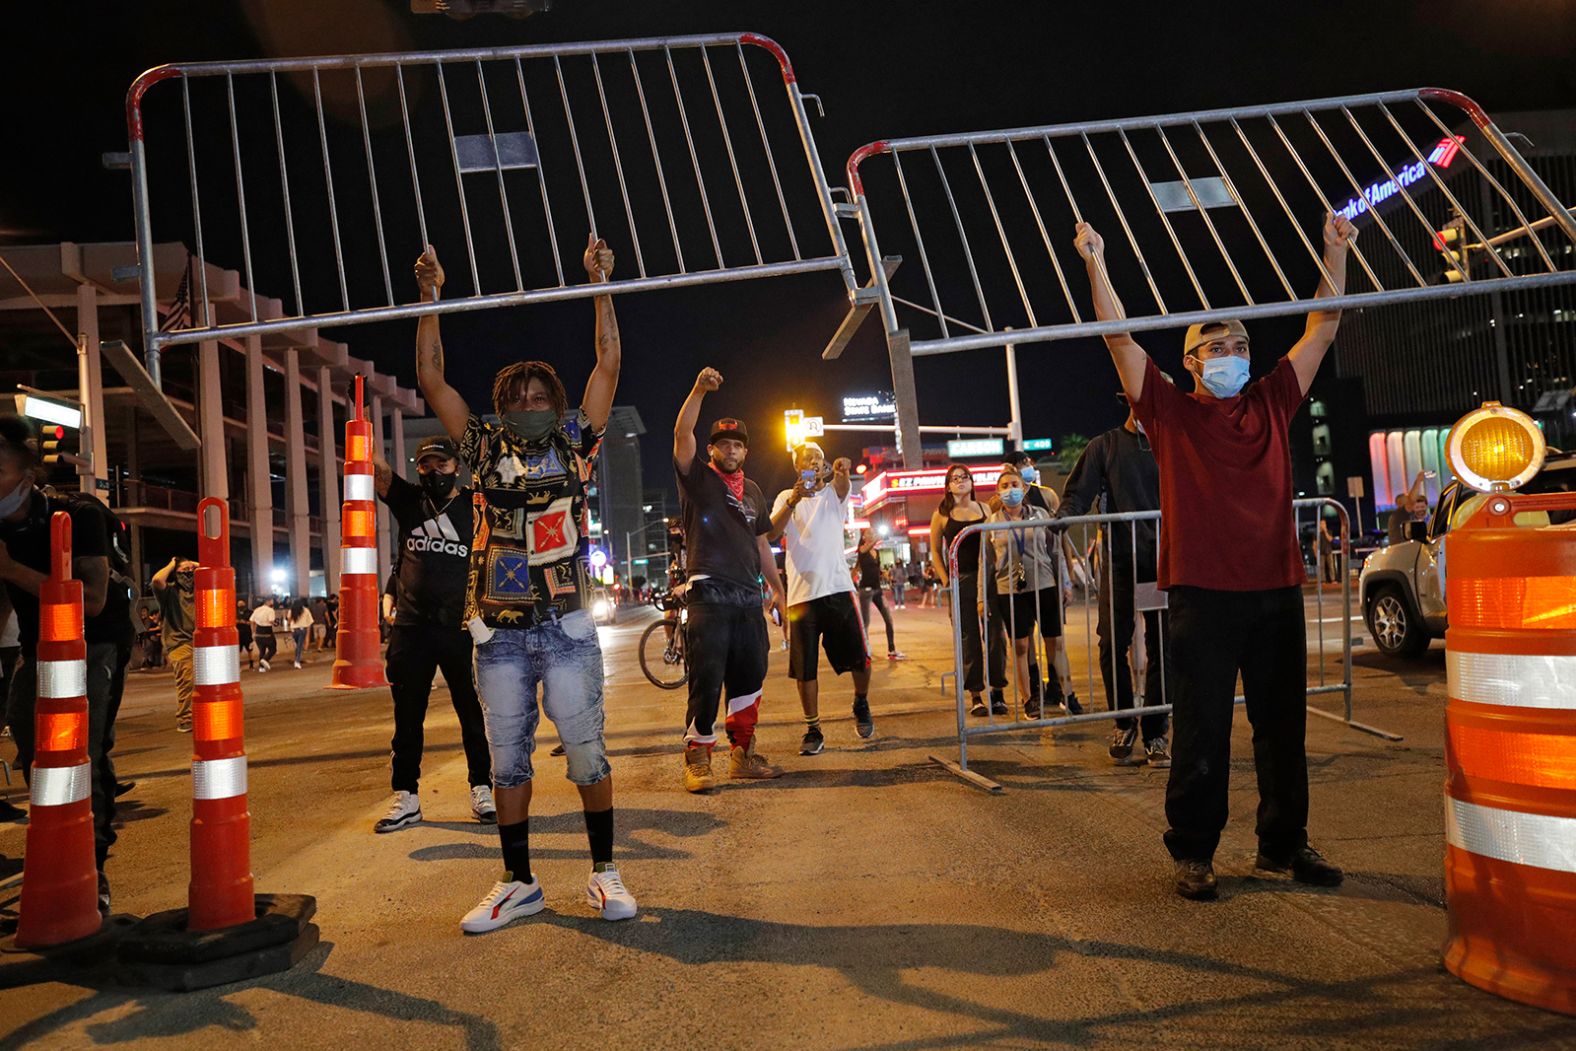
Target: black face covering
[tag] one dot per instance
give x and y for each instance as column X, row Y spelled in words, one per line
column 437, row 484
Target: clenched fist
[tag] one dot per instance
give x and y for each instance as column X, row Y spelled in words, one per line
column 598, row 259
column 708, row 380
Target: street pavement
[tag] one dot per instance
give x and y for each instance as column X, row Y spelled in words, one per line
column 868, row 899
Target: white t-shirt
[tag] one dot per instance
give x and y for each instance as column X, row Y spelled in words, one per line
column 813, row 543
column 304, row 620
column 264, row 617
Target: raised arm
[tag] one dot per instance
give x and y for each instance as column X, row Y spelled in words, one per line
column 841, row 482
column 1417, row 488
column 689, row 414
column 382, row 475
column 445, row 401
column 598, row 400
column 161, row 579
column 1308, row 354
column 1129, row 357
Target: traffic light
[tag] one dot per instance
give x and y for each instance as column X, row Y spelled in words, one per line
column 50, row 437
column 793, row 425
column 1451, row 243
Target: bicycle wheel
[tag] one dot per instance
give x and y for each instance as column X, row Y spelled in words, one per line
column 661, row 657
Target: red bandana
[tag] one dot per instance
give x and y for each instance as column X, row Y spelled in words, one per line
column 734, row 481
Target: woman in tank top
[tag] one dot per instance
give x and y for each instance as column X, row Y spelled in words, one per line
column 959, row 509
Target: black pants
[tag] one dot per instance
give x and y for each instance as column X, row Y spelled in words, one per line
column 1116, row 612
column 974, row 658
column 267, row 646
column 726, row 641
column 867, row 596
column 1214, row 635
column 415, row 653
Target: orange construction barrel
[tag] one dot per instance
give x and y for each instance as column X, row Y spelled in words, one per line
column 1510, row 723
column 358, row 645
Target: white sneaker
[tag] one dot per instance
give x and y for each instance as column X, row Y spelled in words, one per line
column 262, row 666
column 482, row 804
column 507, row 901
column 403, row 813
column 607, row 894
column 298, row 664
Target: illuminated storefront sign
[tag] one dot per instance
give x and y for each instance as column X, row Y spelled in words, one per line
column 976, row 447
column 1380, row 192
column 901, row 483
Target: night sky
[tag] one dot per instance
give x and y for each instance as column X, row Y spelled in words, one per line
column 882, row 70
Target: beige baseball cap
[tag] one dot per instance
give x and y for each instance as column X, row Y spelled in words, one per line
column 1209, row 331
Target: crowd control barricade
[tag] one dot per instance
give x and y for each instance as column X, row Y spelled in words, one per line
column 1205, row 215
column 1104, row 590
column 672, row 149
column 1510, row 753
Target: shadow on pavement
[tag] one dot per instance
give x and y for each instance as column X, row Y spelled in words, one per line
column 874, row 959
column 630, row 822
column 160, row 1014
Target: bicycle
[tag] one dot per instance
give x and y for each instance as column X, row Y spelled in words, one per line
column 665, row 661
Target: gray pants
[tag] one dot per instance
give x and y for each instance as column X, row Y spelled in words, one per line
column 102, row 659
column 867, row 596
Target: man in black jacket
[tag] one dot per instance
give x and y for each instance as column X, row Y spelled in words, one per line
column 1118, row 469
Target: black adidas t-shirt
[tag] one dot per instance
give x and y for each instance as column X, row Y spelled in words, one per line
column 432, row 555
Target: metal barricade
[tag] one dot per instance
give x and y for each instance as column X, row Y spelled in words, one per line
column 662, row 146
column 1110, row 552
column 1220, row 210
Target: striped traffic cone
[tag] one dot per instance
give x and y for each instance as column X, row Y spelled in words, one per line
column 60, row 875
column 359, row 663
column 220, row 894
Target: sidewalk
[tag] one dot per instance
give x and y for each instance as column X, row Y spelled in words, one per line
column 866, row 899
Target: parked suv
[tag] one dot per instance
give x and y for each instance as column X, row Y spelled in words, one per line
column 1402, row 587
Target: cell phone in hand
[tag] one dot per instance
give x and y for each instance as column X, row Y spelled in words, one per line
column 808, row 477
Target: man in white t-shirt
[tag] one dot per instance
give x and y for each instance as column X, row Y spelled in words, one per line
column 809, row 518
column 264, row 618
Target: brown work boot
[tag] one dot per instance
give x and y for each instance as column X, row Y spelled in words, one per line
column 746, row 765
column 697, row 770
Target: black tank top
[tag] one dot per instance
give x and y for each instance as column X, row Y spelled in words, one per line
column 969, row 551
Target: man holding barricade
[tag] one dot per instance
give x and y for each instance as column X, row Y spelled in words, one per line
column 1118, row 469
column 427, row 630
column 25, row 512
column 527, row 603
column 1232, row 567
column 809, row 518
column 725, row 522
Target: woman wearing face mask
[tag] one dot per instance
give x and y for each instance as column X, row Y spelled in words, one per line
column 959, row 509
column 1024, row 587
column 528, row 599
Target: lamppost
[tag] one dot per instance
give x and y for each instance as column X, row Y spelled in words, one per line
column 629, row 547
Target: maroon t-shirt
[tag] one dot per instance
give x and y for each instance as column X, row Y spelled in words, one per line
column 1225, row 482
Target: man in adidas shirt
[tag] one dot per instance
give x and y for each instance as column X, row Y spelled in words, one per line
column 432, row 563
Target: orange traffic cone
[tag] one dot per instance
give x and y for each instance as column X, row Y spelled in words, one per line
column 60, row 875
column 357, row 645
column 220, row 894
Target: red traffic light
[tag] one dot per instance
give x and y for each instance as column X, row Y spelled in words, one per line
column 56, row 432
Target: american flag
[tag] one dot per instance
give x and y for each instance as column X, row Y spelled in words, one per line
column 180, row 314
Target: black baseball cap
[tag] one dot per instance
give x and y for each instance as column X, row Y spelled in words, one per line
column 728, row 427
column 438, row 445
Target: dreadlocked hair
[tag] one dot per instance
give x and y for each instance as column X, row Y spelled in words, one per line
column 512, row 380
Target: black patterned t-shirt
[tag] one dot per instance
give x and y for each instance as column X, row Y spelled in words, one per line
column 530, row 555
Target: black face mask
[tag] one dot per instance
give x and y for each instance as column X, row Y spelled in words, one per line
column 437, row 484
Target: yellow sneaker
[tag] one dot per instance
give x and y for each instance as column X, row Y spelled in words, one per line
column 697, row 770
column 747, row 765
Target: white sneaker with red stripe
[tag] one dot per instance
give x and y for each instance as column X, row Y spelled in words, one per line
column 507, row 901
column 608, row 895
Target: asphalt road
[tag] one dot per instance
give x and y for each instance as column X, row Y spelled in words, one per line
column 868, row 899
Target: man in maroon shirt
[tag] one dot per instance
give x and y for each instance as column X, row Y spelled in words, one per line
column 1232, row 569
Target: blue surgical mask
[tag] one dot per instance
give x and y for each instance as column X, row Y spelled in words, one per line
column 1031, row 474
column 1012, row 497
column 12, row 501
column 532, row 425
column 1225, row 377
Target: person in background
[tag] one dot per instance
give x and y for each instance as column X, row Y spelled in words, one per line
column 1117, row 471
column 319, row 623
column 331, row 632
column 899, row 577
column 243, row 632
column 867, row 571
column 150, row 638
column 10, row 652
column 264, row 618
column 1410, row 506
column 1024, row 590
column 300, row 627
column 931, row 584
column 957, row 511
column 176, row 589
